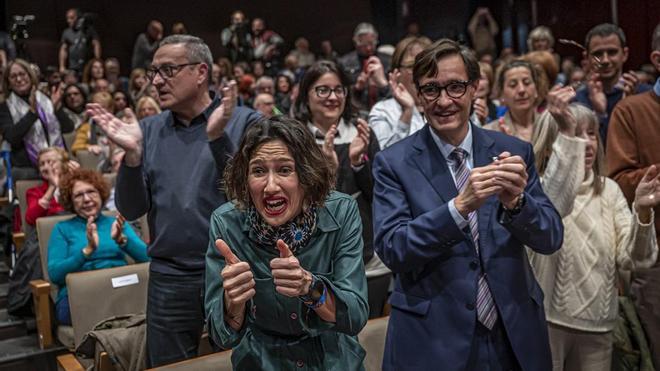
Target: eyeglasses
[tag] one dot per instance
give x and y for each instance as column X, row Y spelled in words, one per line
column 16, row 76
column 454, row 89
column 324, row 91
column 89, row 193
column 167, row 71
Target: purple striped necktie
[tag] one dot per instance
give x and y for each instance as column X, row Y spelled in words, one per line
column 486, row 311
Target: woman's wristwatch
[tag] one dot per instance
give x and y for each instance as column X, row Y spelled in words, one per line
column 316, row 295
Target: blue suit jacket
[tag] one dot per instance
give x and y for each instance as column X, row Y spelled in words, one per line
column 433, row 318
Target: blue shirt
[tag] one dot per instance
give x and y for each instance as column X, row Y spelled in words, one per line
column 446, row 149
column 613, row 97
column 68, row 239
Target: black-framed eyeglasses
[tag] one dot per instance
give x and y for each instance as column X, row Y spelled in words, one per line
column 167, row 71
column 454, row 89
column 323, row 91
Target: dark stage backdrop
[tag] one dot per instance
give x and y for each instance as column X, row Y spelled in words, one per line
column 120, row 21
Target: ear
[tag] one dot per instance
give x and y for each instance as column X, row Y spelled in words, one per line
column 204, row 77
column 625, row 54
column 655, row 59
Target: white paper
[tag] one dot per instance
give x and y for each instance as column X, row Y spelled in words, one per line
column 121, row 281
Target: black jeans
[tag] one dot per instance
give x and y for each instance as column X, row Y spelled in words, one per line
column 175, row 317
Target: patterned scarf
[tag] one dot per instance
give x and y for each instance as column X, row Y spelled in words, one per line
column 44, row 132
column 295, row 233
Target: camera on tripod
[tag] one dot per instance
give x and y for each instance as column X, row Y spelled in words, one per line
column 19, row 26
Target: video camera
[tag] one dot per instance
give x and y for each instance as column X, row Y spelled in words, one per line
column 19, row 26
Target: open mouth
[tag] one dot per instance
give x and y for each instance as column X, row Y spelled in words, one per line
column 274, row 206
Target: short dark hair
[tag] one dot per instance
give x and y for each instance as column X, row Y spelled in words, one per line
column 83, row 175
column 315, row 173
column 604, row 30
column 426, row 62
column 314, row 72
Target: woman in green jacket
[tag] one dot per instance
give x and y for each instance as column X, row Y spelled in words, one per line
column 285, row 281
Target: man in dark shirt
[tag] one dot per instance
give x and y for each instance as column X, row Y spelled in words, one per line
column 366, row 68
column 607, row 83
column 79, row 43
column 172, row 170
column 146, row 44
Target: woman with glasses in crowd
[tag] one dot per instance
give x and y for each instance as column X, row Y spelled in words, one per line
column 29, row 120
column 395, row 118
column 90, row 240
column 285, row 282
column 323, row 103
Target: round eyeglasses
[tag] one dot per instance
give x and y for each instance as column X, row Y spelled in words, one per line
column 454, row 89
column 324, row 91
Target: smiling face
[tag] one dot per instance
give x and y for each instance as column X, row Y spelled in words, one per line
column 329, row 108
column 86, row 199
column 519, row 90
column 273, row 183
column 19, row 80
column 610, row 53
column 449, row 116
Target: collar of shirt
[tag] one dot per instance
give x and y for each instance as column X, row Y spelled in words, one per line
column 345, row 133
column 446, row 148
column 203, row 117
column 656, row 87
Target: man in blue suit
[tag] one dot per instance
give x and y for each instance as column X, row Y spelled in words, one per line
column 454, row 208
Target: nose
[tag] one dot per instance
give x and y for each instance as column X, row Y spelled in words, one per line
column 443, row 99
column 272, row 185
column 157, row 80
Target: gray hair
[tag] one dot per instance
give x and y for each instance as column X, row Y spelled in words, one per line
column 264, row 80
column 364, row 28
column 196, row 49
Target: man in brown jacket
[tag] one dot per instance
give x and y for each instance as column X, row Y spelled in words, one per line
column 632, row 146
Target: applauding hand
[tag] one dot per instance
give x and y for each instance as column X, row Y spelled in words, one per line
column 126, row 134
column 222, row 114
column 647, row 194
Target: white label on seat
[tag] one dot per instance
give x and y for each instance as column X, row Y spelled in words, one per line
column 121, row 281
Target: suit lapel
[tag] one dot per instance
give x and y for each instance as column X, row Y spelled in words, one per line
column 428, row 158
column 484, row 151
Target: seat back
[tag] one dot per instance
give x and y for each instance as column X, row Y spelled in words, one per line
column 111, row 178
column 21, row 189
column 213, row 362
column 89, row 160
column 45, row 227
column 69, row 138
column 372, row 339
column 99, row 294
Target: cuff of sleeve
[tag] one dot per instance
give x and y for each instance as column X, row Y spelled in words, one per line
column 564, row 140
column 461, row 222
column 228, row 336
column 402, row 127
column 130, row 170
column 639, row 222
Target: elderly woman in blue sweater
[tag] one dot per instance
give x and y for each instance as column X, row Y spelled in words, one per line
column 90, row 240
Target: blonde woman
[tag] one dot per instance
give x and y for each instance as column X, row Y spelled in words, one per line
column 601, row 238
column 146, row 106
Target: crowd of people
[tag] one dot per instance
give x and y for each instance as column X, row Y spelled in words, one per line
column 510, row 195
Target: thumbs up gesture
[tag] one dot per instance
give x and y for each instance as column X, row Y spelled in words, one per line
column 238, row 284
column 289, row 277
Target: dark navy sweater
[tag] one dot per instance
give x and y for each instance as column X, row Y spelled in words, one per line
column 178, row 185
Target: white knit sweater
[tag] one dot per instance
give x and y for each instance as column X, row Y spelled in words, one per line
column 601, row 236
